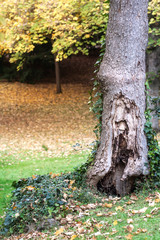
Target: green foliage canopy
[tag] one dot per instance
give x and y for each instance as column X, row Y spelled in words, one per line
column 154, row 23
column 71, row 25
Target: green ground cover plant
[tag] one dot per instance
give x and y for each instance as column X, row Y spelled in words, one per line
column 134, row 217
column 39, row 196
column 55, row 202
column 23, row 164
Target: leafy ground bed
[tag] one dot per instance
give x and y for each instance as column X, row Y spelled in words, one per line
column 133, row 217
column 33, row 116
column 22, row 164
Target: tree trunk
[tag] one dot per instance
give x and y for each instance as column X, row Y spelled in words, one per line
column 57, row 72
column 122, row 154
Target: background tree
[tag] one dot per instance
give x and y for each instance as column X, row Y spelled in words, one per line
column 122, row 154
column 70, row 25
column 153, row 60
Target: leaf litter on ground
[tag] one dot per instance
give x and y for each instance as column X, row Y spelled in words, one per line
column 45, row 120
column 95, row 221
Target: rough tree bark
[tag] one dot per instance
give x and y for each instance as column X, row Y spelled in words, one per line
column 57, row 73
column 122, row 154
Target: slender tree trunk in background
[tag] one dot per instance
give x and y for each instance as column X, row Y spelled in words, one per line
column 57, row 72
column 122, row 154
column 153, row 65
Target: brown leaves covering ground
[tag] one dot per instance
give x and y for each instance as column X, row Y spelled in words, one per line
column 112, row 218
column 34, row 115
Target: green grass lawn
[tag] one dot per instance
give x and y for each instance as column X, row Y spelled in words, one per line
column 132, row 217
column 14, row 166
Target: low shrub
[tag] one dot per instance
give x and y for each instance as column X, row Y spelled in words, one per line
column 38, row 199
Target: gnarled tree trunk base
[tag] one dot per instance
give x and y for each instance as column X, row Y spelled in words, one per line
column 122, row 154
column 113, row 184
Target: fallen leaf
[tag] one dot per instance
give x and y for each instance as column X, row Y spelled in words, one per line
column 143, row 210
column 155, row 210
column 59, row 231
column 63, row 221
column 53, row 175
column 30, row 188
column 140, row 230
column 110, row 214
column 134, row 211
column 91, row 229
column 69, row 233
column 93, row 238
column 119, row 220
column 151, row 204
column 97, row 233
column 157, row 194
column 98, row 225
column 115, row 223
column 134, row 197
column 94, row 220
column 31, row 205
column 69, row 217
column 129, row 220
column 114, row 231
column 130, row 202
column 148, row 199
column 81, row 230
column 73, row 237
column 143, row 230
column 17, row 215
column 91, row 206
column 71, row 182
column 88, row 223
column 119, row 208
column 65, row 195
column 130, row 228
column 129, row 236
column 108, row 205
column 14, row 208
column 99, row 214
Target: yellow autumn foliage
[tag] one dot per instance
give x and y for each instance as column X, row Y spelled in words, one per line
column 70, row 25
